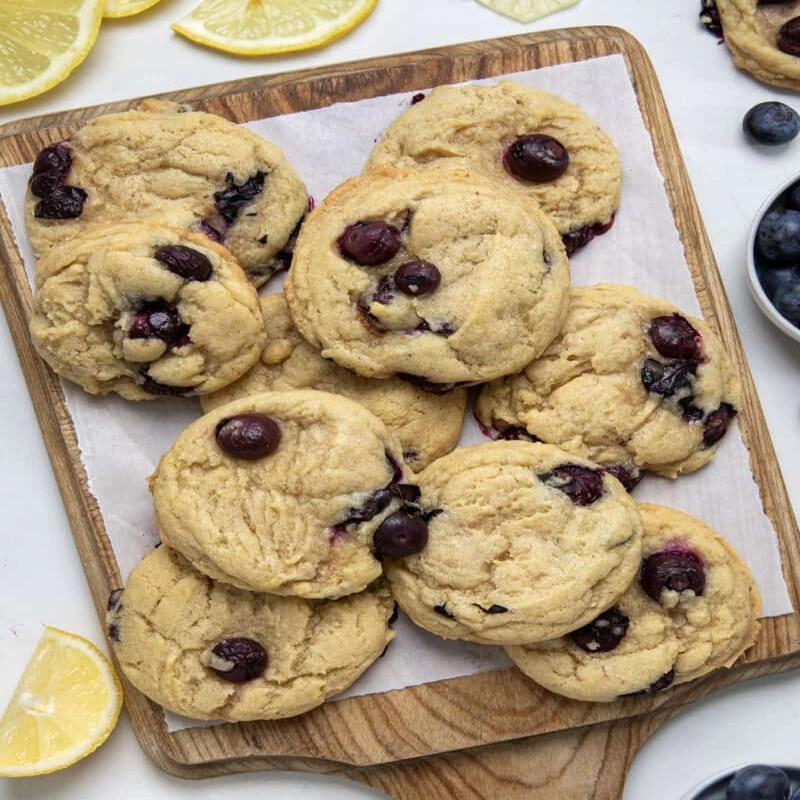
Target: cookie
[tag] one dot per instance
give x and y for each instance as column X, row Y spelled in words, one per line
column 426, row 425
column 284, row 492
column 525, row 543
column 170, row 165
column 693, row 608
column 444, row 281
column 145, row 310
column 531, row 142
column 206, row 650
column 763, row 39
column 632, row 383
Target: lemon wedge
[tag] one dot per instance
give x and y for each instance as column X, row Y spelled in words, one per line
column 527, row 10
column 126, row 8
column 42, row 41
column 264, row 27
column 64, row 707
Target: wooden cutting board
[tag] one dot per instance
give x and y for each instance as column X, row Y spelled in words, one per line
column 493, row 735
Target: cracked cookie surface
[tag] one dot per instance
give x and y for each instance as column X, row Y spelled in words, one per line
column 164, row 164
column 525, row 542
column 589, row 393
column 471, row 127
column 426, row 425
column 751, row 30
column 297, row 520
column 680, row 636
column 446, row 281
column 168, row 622
column 145, row 310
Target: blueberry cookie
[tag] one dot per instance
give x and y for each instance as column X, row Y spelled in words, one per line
column 763, row 38
column 529, row 141
column 443, row 281
column 145, row 310
column 295, row 493
column 426, row 425
column 631, row 383
column 694, row 607
column 525, row 543
column 165, row 164
column 208, row 651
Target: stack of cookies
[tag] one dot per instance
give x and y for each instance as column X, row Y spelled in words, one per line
column 324, row 482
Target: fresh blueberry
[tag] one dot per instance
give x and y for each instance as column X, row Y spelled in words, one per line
column 788, row 40
column 793, row 197
column 537, row 157
column 239, row 660
column 771, row 123
column 248, row 436
column 778, row 235
column 772, row 277
column 758, row 782
column 787, row 301
column 676, row 570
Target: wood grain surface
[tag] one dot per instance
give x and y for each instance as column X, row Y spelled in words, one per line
column 492, row 735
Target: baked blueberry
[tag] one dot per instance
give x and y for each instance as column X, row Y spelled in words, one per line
column 603, row 633
column 674, row 337
column 230, row 201
column 238, row 660
column 575, row 240
column 369, row 243
column 63, row 202
column 401, row 534
column 717, row 423
column 673, row 570
column 184, row 261
column 248, row 436
column 159, row 320
column 537, row 157
column 788, row 39
column 417, row 278
column 667, row 379
column 582, row 485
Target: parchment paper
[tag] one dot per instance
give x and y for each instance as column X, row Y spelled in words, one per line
column 121, row 441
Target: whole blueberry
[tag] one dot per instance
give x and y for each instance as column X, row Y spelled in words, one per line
column 787, row 301
column 239, row 660
column 793, row 197
column 603, row 633
column 771, row 123
column 778, row 235
column 537, row 157
column 417, row 278
column 401, row 534
column 582, row 485
column 369, row 242
column 788, row 39
column 248, row 436
column 771, row 277
column 675, row 570
column 758, row 782
column 185, row 261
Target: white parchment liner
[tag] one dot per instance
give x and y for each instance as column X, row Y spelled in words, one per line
column 122, row 441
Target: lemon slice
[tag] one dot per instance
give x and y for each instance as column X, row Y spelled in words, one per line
column 262, row 27
column 42, row 41
column 527, row 10
column 64, row 707
column 126, row 8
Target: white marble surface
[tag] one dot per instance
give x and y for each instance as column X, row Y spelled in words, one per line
column 41, row 580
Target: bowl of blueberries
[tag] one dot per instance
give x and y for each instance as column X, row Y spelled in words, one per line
column 773, row 258
column 752, row 782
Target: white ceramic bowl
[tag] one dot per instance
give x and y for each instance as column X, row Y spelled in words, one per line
column 707, row 783
column 756, row 289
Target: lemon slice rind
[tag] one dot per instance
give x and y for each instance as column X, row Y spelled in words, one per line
column 116, row 9
column 54, row 720
column 13, row 44
column 318, row 22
